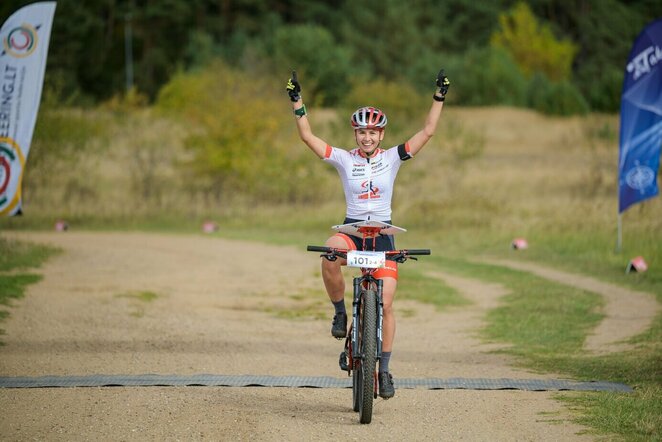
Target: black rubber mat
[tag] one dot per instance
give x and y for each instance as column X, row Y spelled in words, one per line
column 209, row 380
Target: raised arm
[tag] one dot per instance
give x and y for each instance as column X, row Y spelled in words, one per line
column 420, row 138
column 316, row 144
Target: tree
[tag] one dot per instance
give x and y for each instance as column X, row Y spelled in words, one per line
column 324, row 65
column 383, row 34
column 604, row 31
column 533, row 45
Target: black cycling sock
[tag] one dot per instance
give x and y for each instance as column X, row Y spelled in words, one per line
column 340, row 306
column 383, row 361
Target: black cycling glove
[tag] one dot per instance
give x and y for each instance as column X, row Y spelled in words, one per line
column 443, row 83
column 294, row 88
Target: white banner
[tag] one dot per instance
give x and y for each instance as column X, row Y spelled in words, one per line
column 24, row 38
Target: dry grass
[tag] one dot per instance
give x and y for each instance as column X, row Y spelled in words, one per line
column 497, row 168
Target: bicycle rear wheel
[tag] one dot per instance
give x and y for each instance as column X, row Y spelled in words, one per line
column 368, row 351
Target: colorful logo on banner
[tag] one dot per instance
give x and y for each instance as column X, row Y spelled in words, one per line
column 11, row 159
column 20, row 41
column 24, row 39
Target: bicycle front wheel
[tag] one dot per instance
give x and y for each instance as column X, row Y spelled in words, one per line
column 368, row 349
column 356, row 386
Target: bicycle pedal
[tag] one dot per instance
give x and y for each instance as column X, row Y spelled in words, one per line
column 342, row 361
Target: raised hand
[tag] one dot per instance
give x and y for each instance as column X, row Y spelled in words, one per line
column 443, row 83
column 294, row 88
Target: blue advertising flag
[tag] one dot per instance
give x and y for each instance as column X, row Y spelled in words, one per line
column 641, row 119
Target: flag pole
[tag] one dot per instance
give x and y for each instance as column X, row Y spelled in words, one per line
column 619, row 236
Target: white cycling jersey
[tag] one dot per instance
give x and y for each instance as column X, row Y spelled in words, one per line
column 368, row 182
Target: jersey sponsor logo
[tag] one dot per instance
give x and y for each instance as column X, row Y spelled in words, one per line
column 369, row 191
column 380, row 167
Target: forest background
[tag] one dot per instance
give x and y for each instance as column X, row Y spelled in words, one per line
column 579, row 46
column 196, row 123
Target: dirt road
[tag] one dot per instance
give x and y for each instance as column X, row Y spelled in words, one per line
column 134, row 303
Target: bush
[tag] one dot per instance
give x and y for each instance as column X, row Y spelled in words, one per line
column 487, row 76
column 421, row 72
column 323, row 65
column 229, row 124
column 601, row 85
column 555, row 98
column 532, row 45
column 235, row 120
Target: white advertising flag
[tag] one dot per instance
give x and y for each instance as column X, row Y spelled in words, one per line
column 24, row 38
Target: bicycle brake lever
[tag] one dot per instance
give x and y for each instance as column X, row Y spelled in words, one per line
column 411, row 257
column 329, row 257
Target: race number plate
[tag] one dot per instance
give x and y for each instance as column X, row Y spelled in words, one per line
column 366, row 260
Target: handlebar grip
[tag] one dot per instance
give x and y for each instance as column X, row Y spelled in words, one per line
column 318, row 249
column 418, row 252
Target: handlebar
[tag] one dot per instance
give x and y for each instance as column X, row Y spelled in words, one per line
column 390, row 252
column 417, row 251
column 319, row 249
column 332, row 254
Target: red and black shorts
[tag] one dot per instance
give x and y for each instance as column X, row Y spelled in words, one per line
column 382, row 243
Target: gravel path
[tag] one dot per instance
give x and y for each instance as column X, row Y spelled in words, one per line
column 212, row 314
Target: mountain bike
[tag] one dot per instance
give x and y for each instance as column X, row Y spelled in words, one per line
column 363, row 345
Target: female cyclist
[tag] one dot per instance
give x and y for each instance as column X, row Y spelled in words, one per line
column 367, row 173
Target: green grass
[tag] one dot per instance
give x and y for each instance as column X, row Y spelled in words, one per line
column 22, row 255
column 634, row 416
column 142, row 296
column 537, row 316
column 593, row 253
column 16, row 256
column 546, row 323
column 414, row 285
column 308, row 304
column 138, row 300
column 13, row 286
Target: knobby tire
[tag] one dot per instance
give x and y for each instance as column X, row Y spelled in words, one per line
column 368, row 349
column 356, row 364
column 356, row 385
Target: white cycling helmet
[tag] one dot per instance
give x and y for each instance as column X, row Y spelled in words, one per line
column 368, row 118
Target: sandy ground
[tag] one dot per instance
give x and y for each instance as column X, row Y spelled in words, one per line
column 212, row 316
